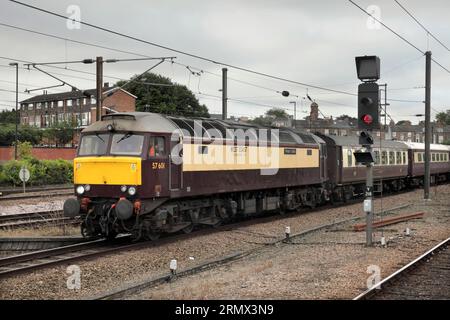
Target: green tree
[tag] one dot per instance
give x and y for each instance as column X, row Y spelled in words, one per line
column 61, row 133
column 443, row 117
column 8, row 116
column 166, row 98
column 25, row 133
column 267, row 119
column 277, row 113
column 24, row 150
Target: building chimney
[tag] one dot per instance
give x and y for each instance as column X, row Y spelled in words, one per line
column 314, row 115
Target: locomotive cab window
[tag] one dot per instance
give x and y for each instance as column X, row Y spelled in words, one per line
column 157, row 147
column 93, row 144
column 127, row 144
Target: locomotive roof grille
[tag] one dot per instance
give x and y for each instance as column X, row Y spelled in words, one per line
column 118, row 116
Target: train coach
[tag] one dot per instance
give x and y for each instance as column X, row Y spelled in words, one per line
column 148, row 174
column 439, row 163
column 348, row 178
column 129, row 179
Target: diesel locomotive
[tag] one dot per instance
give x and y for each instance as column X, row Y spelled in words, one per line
column 148, row 174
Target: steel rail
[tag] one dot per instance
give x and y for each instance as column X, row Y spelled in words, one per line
column 373, row 290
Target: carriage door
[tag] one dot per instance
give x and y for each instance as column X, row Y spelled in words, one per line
column 175, row 166
column 323, row 161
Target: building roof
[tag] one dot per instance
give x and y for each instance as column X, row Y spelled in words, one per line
column 76, row 94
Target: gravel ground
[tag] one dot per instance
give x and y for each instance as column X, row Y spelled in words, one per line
column 32, row 205
column 241, row 279
column 35, row 205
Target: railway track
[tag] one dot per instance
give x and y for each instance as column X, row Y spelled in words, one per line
column 90, row 249
column 13, row 245
column 130, row 289
column 11, row 191
column 427, row 277
column 52, row 217
column 35, row 260
column 37, row 194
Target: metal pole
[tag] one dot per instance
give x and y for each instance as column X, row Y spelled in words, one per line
column 426, row 184
column 295, row 111
column 17, row 111
column 99, row 94
column 369, row 196
column 224, row 93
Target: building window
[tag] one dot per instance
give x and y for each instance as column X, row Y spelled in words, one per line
column 326, row 131
column 38, row 105
column 69, row 103
column 402, row 137
column 85, row 118
column 38, row 121
column 60, row 103
column 30, row 107
column 84, row 101
column 394, row 134
column 93, row 101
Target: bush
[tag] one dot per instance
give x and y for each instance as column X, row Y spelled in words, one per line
column 42, row 172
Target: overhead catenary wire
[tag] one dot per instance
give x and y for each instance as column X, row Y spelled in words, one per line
column 391, row 30
column 146, row 56
column 263, row 74
column 422, row 26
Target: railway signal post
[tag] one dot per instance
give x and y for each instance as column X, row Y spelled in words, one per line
column 368, row 70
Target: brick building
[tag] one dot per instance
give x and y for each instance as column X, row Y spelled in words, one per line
column 44, row 110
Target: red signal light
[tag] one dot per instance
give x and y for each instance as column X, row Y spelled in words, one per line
column 367, row 119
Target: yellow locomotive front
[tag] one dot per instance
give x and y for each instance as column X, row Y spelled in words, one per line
column 107, row 181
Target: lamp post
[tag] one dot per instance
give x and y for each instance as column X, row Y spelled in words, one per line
column 15, row 64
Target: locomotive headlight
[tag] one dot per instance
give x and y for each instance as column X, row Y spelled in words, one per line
column 123, row 188
column 87, row 187
column 80, row 190
column 131, row 191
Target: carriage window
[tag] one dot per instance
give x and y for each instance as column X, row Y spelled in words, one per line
column 442, row 157
column 377, row 157
column 93, row 144
column 127, row 144
column 349, row 158
column 383, row 157
column 419, row 157
column 157, row 147
column 399, row 157
column 391, row 157
column 404, row 157
column 433, row 157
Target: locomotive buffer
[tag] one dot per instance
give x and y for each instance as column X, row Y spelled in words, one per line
column 368, row 70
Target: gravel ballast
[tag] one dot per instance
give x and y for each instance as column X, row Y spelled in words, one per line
column 330, row 264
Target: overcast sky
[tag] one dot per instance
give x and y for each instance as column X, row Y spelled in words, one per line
column 312, row 42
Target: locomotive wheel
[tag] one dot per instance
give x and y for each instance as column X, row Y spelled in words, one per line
column 188, row 229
